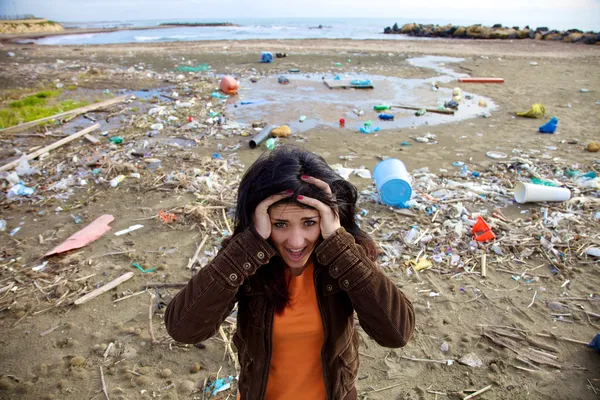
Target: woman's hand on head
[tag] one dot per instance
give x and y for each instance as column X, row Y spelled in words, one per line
column 330, row 221
column 262, row 221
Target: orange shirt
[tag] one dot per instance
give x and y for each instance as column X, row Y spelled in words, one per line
column 296, row 371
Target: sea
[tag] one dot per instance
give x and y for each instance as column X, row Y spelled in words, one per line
column 248, row 29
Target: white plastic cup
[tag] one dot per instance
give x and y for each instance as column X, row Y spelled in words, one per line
column 393, row 182
column 531, row 193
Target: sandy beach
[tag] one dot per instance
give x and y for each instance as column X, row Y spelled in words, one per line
column 53, row 349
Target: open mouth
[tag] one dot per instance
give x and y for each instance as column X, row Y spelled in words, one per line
column 296, row 254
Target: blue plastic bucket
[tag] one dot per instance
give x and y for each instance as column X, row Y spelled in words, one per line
column 266, row 56
column 393, row 182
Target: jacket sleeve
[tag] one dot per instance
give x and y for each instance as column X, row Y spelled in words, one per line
column 383, row 310
column 199, row 309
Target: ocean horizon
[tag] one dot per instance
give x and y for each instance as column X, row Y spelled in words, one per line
column 262, row 29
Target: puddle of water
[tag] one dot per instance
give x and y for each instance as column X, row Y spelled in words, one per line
column 308, row 95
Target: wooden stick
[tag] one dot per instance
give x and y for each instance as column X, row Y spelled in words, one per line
column 108, row 349
column 484, row 265
column 52, row 146
column 150, row 313
column 382, row 389
column 566, row 339
column 197, row 253
column 425, row 360
column 77, row 111
column 110, row 285
column 533, row 298
column 503, row 327
column 104, row 390
column 229, row 349
column 91, row 139
column 477, row 393
column 49, row 331
column 128, row 297
column 428, row 109
column 166, row 285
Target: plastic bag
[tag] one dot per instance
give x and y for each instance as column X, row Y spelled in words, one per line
column 536, row 111
column 24, row 168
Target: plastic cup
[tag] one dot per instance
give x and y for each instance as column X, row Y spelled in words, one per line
column 530, row 193
column 393, row 182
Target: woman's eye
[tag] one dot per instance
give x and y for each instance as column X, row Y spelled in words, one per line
column 309, row 223
column 279, row 224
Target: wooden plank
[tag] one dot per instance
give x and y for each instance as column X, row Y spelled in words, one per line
column 52, row 146
column 91, row 139
column 77, row 111
column 481, row 80
column 345, row 84
column 428, row 109
column 103, row 289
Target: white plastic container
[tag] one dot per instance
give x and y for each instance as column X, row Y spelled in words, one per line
column 393, row 182
column 530, row 193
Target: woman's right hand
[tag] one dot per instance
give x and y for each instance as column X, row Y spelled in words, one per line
column 262, row 222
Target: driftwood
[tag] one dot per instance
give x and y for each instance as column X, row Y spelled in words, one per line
column 53, row 146
column 110, row 285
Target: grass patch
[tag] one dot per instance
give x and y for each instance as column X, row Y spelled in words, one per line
column 72, row 87
column 35, row 107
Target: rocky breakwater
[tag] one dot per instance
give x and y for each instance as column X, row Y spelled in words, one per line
column 29, row 26
column 495, row 32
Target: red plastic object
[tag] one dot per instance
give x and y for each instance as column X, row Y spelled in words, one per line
column 229, row 85
column 482, row 231
column 85, row 236
column 342, row 122
column 481, row 80
column 190, row 119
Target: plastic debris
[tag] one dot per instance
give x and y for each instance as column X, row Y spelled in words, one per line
column 85, row 236
column 129, row 230
column 550, row 126
column 536, row 111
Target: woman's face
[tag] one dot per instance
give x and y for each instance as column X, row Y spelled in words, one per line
column 295, row 232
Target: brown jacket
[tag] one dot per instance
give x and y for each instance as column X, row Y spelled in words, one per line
column 346, row 280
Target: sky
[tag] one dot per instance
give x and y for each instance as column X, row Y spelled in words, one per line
column 567, row 13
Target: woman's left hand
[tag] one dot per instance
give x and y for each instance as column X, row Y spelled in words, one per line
column 330, row 221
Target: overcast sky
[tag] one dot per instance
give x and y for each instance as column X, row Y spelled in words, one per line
column 569, row 11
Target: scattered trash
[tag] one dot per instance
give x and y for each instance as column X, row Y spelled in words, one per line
column 24, row 168
column 497, row 155
column 270, row 144
column 281, row 131
column 85, row 236
column 2, row 225
column 117, row 180
column 536, row 111
column 420, row 112
column 451, row 104
column 220, row 385
column 363, row 129
column 129, row 230
column 217, row 95
column 386, row 117
column 533, row 63
column 393, row 182
column 584, row 90
column 482, row 231
column 550, row 126
column 593, row 251
column 229, row 85
column 145, row 271
column 266, row 57
column 482, row 103
column 167, row 217
column 283, row 80
column 116, row 140
column 593, row 147
column 199, row 68
column 302, row 118
column 19, row 190
column 529, row 193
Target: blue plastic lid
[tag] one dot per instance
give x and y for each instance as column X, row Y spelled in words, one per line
column 395, row 192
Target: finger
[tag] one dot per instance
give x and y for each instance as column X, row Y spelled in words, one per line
column 317, row 182
column 269, row 201
column 314, row 203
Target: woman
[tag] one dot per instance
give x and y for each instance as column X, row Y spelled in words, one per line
column 299, row 267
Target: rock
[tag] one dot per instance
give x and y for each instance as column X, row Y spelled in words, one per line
column 478, row 32
column 166, row 373
column 593, row 147
column 553, row 36
column 500, row 34
column 591, row 38
column 7, row 384
column 472, row 360
column 573, row 37
column 281, row 131
column 497, row 26
column 445, row 31
column 141, row 380
column 395, row 28
column 77, row 361
column 523, row 34
column 460, row 31
column 408, row 29
column 186, row 387
column 538, row 36
column 444, row 347
column 387, row 30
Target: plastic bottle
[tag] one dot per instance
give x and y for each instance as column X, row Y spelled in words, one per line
column 270, row 144
column 2, row 225
column 116, row 181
